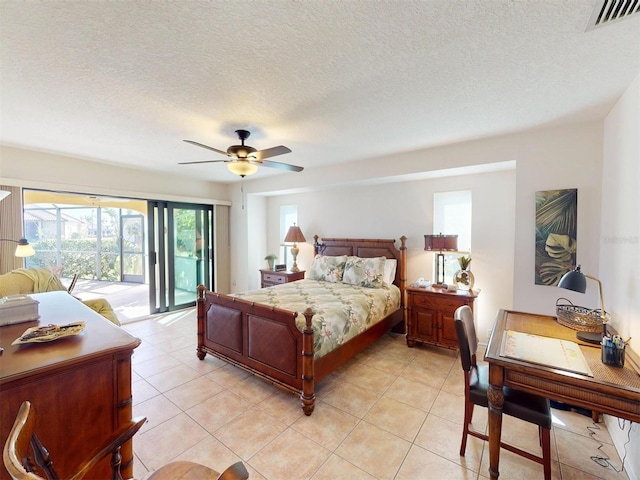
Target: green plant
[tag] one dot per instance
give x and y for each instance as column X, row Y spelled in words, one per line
column 271, row 256
column 464, row 262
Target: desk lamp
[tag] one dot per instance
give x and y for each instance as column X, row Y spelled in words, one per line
column 577, row 281
column 23, row 249
column 294, row 235
column 440, row 242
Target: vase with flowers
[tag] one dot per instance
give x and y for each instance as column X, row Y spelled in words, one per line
column 463, row 278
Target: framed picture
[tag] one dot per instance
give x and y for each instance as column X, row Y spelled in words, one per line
column 556, row 228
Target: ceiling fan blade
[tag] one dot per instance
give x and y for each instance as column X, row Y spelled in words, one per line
column 203, row 161
column 281, row 166
column 270, row 152
column 207, row 147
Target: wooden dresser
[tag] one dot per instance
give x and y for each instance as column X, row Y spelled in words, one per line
column 269, row 278
column 80, row 387
column 430, row 315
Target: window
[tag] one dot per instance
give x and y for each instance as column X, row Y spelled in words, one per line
column 288, row 216
column 452, row 216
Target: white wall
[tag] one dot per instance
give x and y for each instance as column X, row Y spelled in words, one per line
column 619, row 241
column 29, row 168
column 559, row 158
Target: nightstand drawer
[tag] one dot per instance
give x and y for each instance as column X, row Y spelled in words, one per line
column 436, row 303
column 267, row 277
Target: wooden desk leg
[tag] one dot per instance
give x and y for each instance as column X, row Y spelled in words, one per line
column 496, row 400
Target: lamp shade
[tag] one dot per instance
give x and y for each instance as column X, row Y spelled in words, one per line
column 574, row 280
column 294, row 235
column 23, row 249
column 242, row 168
column 441, row 242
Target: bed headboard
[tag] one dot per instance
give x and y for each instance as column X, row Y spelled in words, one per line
column 367, row 248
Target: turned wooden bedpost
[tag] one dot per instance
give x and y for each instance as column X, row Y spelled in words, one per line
column 308, row 397
column 201, row 321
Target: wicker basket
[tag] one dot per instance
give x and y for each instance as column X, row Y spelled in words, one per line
column 578, row 318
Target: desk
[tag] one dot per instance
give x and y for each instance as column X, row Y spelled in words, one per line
column 80, row 387
column 615, row 391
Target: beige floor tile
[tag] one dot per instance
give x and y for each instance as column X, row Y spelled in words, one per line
column 413, row 393
column 154, row 366
column 336, row 468
column 576, row 451
column 425, row 465
column 443, row 437
column 269, row 429
column 193, row 392
column 283, row 406
column 291, row 456
column 371, row 378
column 143, row 391
column 227, row 376
column 351, row 398
column 524, row 435
column 426, row 373
column 247, row 434
column 451, row 407
column 515, row 466
column 454, row 383
column 327, row 426
column 374, row 450
column 396, row 417
column 218, row 410
column 172, row 377
column 158, row 409
column 580, row 424
column 253, row 390
column 390, row 362
column 162, row 443
column 211, row 453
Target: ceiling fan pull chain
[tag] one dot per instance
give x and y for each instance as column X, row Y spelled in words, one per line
column 242, row 191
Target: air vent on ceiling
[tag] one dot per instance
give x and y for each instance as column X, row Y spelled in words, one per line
column 609, row 11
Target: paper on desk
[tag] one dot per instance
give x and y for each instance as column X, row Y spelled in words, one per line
column 547, row 351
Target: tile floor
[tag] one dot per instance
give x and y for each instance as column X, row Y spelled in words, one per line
column 393, row 412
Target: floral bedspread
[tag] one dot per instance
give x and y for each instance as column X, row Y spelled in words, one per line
column 341, row 311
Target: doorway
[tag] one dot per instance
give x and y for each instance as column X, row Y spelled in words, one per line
column 180, row 243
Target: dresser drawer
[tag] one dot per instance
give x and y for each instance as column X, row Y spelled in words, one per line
column 270, row 278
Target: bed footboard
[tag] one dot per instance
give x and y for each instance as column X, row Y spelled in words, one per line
column 262, row 340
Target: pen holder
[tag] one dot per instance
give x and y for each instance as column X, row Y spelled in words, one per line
column 613, row 355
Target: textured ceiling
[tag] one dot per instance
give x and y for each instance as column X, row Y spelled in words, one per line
column 125, row 82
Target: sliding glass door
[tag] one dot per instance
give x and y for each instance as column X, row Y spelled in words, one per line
column 181, row 246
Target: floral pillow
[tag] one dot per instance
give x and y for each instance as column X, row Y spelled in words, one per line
column 327, row 269
column 365, row 272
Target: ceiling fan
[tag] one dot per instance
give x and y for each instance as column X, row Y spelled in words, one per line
column 244, row 160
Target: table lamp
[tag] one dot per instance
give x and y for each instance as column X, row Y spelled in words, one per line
column 294, row 235
column 23, row 249
column 440, row 242
column 577, row 281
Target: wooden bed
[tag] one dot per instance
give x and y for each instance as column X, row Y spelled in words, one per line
column 265, row 341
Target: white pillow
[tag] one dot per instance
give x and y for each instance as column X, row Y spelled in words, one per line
column 390, row 270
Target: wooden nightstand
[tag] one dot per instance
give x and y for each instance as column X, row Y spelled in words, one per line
column 269, row 278
column 430, row 315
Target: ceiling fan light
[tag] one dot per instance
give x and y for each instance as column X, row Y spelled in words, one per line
column 242, row 168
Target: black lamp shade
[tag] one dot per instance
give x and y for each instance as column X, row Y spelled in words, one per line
column 574, row 280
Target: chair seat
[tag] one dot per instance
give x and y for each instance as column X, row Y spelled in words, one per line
column 525, row 406
column 184, row 471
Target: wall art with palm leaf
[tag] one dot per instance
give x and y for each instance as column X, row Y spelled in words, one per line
column 556, row 242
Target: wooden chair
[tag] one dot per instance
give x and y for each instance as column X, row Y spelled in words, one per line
column 23, row 451
column 72, row 285
column 525, row 406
